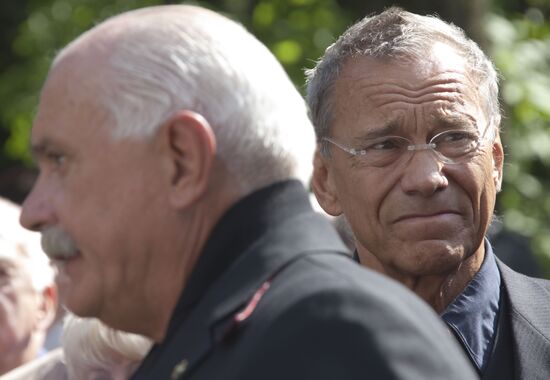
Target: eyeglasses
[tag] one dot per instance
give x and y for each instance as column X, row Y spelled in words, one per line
column 450, row 147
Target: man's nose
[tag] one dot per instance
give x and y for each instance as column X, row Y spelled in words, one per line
column 37, row 209
column 423, row 173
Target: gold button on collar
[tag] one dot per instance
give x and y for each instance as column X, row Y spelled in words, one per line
column 179, row 369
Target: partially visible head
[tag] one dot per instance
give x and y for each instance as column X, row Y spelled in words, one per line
column 395, row 35
column 149, row 127
column 395, row 77
column 160, row 60
column 93, row 350
column 28, row 297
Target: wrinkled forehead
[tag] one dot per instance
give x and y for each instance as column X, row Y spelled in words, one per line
column 11, row 252
column 436, row 87
column 12, row 235
column 19, row 246
column 71, row 101
column 442, row 64
column 77, row 75
column 439, row 58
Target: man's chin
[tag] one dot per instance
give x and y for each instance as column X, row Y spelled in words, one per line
column 80, row 307
column 430, row 258
column 77, row 296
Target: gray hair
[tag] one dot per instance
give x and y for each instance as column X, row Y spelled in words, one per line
column 88, row 345
column 168, row 58
column 394, row 34
column 15, row 241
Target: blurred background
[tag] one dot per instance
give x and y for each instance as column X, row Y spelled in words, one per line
column 515, row 33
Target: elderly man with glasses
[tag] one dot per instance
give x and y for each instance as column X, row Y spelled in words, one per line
column 406, row 114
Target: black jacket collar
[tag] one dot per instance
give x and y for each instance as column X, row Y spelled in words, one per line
column 240, row 226
column 259, row 236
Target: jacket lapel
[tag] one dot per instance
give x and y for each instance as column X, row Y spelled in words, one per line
column 232, row 293
column 529, row 311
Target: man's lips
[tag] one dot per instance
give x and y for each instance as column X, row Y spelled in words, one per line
column 63, row 264
column 426, row 216
column 63, row 256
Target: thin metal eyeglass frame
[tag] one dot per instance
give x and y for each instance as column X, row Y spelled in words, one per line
column 416, row 147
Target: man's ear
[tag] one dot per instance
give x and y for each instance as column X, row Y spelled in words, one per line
column 48, row 308
column 191, row 146
column 322, row 185
column 498, row 163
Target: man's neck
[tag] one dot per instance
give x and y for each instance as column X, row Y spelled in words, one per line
column 163, row 279
column 176, row 255
column 437, row 290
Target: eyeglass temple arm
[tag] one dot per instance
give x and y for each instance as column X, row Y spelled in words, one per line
column 351, row 151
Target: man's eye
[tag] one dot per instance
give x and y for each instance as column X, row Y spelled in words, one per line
column 458, row 136
column 386, row 144
column 55, row 158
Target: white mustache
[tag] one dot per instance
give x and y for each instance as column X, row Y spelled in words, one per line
column 57, row 244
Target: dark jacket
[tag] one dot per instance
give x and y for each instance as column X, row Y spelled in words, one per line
column 528, row 315
column 288, row 303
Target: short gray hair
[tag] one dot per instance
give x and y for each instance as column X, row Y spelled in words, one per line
column 393, row 34
column 164, row 59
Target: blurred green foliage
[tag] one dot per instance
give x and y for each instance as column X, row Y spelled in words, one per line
column 298, row 31
column 48, row 26
column 520, row 48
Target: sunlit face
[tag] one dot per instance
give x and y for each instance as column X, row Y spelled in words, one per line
column 20, row 305
column 104, row 193
column 417, row 216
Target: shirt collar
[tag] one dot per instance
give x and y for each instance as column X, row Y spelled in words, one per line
column 473, row 315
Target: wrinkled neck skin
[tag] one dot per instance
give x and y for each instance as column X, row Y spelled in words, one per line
column 155, row 297
column 438, row 290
